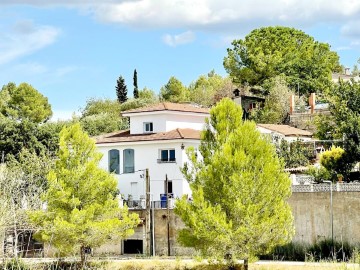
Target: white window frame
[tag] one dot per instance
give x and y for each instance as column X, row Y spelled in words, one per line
column 160, row 160
column 148, row 127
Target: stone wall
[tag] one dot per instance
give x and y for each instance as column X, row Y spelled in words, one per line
column 312, row 216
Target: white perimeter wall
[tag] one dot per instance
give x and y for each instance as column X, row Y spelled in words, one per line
column 146, row 156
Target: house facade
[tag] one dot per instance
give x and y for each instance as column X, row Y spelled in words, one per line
column 285, row 132
column 157, row 141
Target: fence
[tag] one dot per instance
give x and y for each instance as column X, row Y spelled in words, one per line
column 325, row 187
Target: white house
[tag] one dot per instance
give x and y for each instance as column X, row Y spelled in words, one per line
column 285, row 132
column 157, row 139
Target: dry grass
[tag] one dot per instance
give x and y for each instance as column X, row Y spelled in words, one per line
column 191, row 265
column 164, row 264
column 303, row 266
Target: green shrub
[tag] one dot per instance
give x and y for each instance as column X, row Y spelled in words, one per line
column 322, row 250
column 15, row 264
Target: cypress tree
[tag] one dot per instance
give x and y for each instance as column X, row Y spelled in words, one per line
column 136, row 90
column 121, row 90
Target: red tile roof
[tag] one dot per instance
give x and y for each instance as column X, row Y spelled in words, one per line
column 286, row 130
column 125, row 136
column 168, row 106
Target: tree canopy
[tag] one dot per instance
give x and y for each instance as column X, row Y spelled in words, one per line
column 136, row 89
column 210, row 88
column 15, row 136
column 24, row 102
column 239, row 190
column 344, row 120
column 174, row 91
column 82, row 205
column 271, row 51
column 121, row 90
column 277, row 103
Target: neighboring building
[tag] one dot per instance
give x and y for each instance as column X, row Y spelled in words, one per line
column 248, row 101
column 346, row 76
column 157, row 139
column 288, row 133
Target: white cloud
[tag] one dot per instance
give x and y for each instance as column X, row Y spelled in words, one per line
column 25, row 38
column 180, row 39
column 226, row 17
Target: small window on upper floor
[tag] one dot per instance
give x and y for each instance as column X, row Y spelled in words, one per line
column 148, row 127
column 114, row 161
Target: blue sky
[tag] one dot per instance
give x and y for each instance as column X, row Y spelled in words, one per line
column 72, row 50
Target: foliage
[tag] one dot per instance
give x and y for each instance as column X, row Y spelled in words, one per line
column 148, row 94
column 174, row 91
column 14, row 136
column 21, row 185
column 333, row 161
column 99, row 106
column 15, row 264
column 121, row 90
column 209, row 89
column 271, row 51
column 136, row 103
column 136, row 90
column 239, row 190
column 319, row 174
column 102, row 116
column 82, row 207
column 294, row 154
column 24, row 102
column 277, row 103
column 103, row 123
column 324, row 127
column 344, row 121
column 319, row 251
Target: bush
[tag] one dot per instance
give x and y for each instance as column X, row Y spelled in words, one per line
column 322, row 250
column 15, row 264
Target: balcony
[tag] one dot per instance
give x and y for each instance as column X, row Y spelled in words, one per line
column 161, row 160
column 141, row 204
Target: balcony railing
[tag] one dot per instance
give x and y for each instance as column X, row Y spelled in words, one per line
column 141, row 204
column 172, row 160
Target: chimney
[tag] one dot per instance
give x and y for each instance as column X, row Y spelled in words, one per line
column 312, row 102
column 292, row 104
column 347, row 71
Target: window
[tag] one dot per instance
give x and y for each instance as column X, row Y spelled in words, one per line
column 167, row 155
column 114, row 161
column 129, row 166
column 148, row 127
column 169, row 187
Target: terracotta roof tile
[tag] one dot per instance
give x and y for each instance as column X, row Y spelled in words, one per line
column 168, row 106
column 286, row 130
column 125, row 136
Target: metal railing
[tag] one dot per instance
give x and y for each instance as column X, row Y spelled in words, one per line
column 141, row 204
column 172, row 160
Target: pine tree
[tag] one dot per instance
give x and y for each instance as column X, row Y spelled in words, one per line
column 121, row 90
column 239, row 189
column 136, row 90
column 82, row 206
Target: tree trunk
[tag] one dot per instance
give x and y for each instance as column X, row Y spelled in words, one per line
column 82, row 257
column 246, row 264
